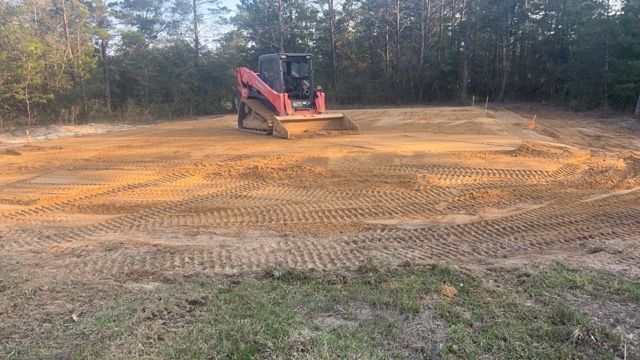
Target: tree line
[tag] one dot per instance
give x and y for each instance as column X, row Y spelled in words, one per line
column 80, row 60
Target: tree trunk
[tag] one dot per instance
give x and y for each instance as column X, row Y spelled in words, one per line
column 386, row 38
column 83, row 87
column 506, row 53
column 105, row 74
column 281, row 25
column 637, row 112
column 466, row 48
column 334, row 59
column 505, row 73
column 146, row 87
column 440, row 25
column 77, row 80
column 65, row 22
column 67, row 35
column 422, row 33
column 421, row 55
column 372, row 49
column 605, row 97
column 28, row 102
column 425, row 10
column 397, row 31
column 196, row 34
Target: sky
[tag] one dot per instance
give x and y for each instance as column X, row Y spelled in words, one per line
column 210, row 33
column 231, row 4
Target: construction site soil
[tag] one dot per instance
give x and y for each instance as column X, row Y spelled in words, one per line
column 457, row 185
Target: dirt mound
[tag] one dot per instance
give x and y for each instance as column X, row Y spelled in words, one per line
column 36, row 133
column 531, row 150
column 277, row 172
column 271, row 168
column 439, row 120
column 632, row 172
column 620, row 174
column 632, row 164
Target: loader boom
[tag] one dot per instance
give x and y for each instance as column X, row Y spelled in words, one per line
column 247, row 79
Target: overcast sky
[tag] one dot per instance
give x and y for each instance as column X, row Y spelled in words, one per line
column 231, row 4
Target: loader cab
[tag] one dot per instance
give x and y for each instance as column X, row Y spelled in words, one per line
column 290, row 73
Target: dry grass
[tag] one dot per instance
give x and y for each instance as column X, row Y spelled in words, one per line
column 371, row 312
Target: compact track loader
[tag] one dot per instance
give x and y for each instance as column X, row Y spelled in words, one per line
column 281, row 100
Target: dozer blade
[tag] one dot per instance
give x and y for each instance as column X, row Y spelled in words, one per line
column 302, row 126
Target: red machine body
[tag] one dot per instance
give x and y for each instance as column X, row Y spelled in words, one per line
column 281, row 100
column 246, row 78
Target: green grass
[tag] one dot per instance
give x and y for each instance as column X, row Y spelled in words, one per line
column 367, row 313
column 559, row 280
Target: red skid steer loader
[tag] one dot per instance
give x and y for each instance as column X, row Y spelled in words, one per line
column 281, row 100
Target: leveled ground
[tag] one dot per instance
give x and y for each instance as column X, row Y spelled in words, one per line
column 83, row 218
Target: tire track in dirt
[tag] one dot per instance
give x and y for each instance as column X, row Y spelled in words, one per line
column 53, row 205
column 454, row 175
column 168, row 174
column 27, row 238
column 419, row 246
column 557, row 227
column 337, row 206
column 455, row 171
column 318, row 206
column 128, row 177
column 323, row 204
column 357, row 205
column 193, row 196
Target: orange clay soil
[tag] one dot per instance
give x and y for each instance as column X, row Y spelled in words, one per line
column 461, row 186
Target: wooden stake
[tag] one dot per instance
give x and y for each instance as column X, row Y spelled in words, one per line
column 532, row 123
column 473, row 100
column 486, row 103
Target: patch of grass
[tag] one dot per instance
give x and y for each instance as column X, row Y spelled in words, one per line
column 595, row 249
column 409, row 312
column 4, row 283
column 314, row 315
column 488, row 323
column 6, row 280
column 559, row 280
column 112, row 246
column 112, row 322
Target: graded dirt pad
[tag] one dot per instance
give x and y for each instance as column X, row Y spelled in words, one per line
column 461, row 186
